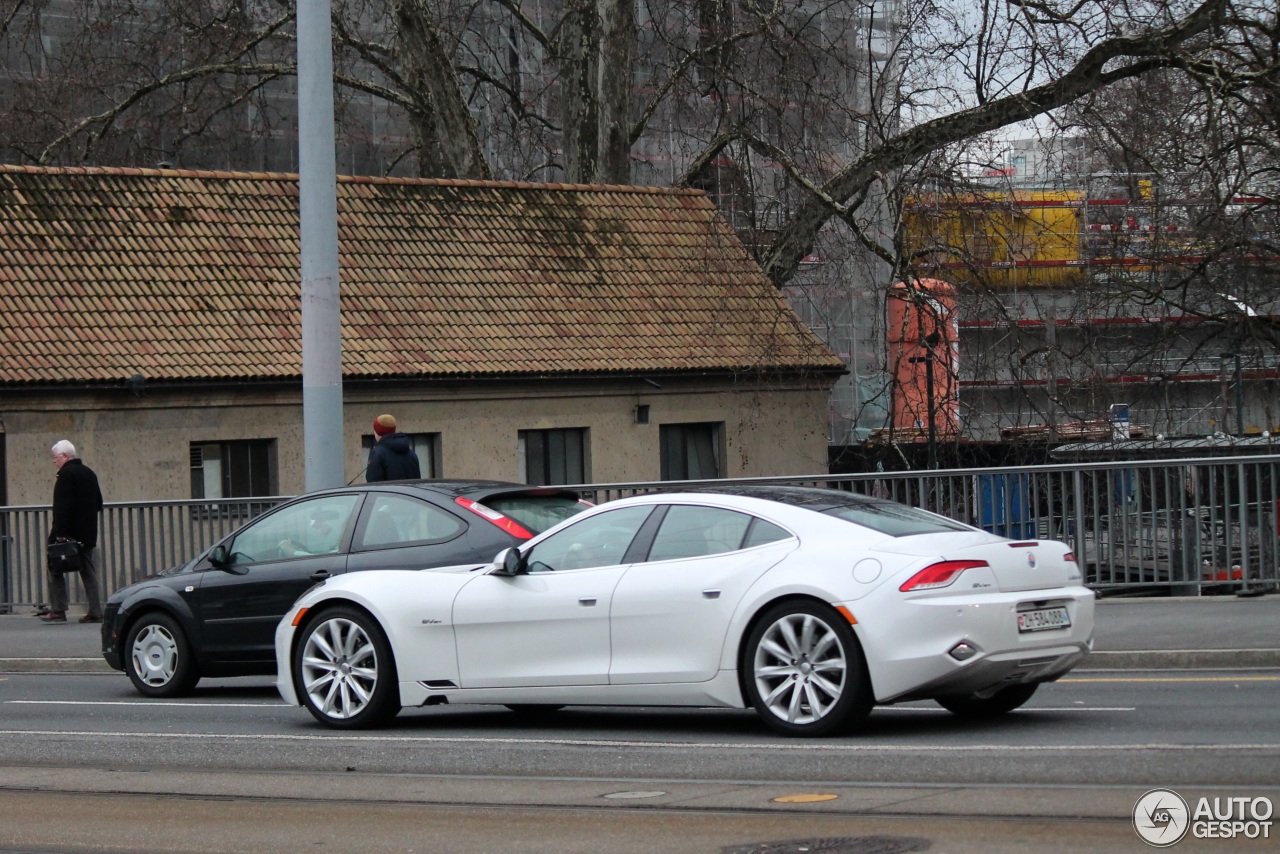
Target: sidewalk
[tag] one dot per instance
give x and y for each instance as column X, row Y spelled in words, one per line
column 1206, row 632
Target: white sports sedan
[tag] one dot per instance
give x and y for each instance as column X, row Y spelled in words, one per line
column 810, row 605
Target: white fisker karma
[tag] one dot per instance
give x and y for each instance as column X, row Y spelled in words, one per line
column 811, row 606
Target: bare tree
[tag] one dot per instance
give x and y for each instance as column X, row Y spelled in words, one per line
column 833, row 98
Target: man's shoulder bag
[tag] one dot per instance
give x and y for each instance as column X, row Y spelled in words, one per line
column 64, row 556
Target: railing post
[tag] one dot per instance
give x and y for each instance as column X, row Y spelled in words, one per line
column 1077, row 489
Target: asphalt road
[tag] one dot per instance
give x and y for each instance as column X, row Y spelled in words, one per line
column 86, row 765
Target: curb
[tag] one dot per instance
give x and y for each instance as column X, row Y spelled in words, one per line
column 55, row 665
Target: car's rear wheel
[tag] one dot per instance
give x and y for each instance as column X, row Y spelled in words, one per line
column 158, row 657
column 1002, row 701
column 344, row 670
column 804, row 670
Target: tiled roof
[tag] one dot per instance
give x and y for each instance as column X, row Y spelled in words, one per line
column 180, row 275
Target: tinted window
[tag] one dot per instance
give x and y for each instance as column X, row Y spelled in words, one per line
column 313, row 527
column 896, row 520
column 762, row 532
column 599, row 541
column 396, row 520
column 536, row 512
column 689, row 531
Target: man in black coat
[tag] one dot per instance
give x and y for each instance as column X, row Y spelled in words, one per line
column 77, row 501
column 392, row 456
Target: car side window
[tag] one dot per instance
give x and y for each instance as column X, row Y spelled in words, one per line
column 762, row 532
column 601, row 540
column 308, row 528
column 398, row 520
column 692, row 531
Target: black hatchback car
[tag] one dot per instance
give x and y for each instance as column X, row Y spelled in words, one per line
column 216, row 615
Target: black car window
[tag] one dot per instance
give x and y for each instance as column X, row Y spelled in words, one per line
column 691, row 531
column 398, row 520
column 536, row 513
column 312, row 527
column 601, row 540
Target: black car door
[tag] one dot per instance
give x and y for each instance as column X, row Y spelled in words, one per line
column 271, row 563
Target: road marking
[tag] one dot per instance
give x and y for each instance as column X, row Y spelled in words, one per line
column 787, row 747
column 940, row 710
column 151, row 704
column 1171, row 679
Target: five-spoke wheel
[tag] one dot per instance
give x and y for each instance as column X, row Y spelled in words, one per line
column 804, row 670
column 344, row 671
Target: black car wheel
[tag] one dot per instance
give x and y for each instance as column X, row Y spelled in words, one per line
column 1002, row 701
column 804, row 670
column 344, row 671
column 158, row 657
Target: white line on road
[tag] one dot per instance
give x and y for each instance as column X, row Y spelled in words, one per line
column 791, row 747
column 151, row 704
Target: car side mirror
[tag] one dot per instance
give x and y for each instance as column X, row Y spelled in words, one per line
column 219, row 557
column 509, row 562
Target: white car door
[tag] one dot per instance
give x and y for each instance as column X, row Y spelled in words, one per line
column 549, row 626
column 670, row 613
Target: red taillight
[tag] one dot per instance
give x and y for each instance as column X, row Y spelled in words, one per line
column 1069, row 557
column 511, row 526
column 939, row 574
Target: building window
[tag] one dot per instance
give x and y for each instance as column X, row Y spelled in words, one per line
column 692, row 451
column 425, row 445
column 240, row 469
column 553, row 456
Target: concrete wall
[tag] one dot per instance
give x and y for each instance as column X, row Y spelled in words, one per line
column 140, row 445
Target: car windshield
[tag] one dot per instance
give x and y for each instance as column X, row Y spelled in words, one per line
column 896, row 520
column 536, row 513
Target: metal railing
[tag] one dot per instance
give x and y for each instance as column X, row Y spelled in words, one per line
column 1190, row 526
column 135, row 539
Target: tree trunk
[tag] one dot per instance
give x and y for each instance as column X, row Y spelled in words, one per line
column 448, row 145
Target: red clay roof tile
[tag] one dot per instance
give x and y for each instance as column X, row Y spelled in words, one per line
column 186, row 275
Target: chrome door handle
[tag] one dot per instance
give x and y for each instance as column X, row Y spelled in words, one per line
column 711, row 594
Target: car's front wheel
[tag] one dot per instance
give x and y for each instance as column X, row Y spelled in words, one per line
column 804, row 670
column 344, row 670
column 1002, row 701
column 158, row 657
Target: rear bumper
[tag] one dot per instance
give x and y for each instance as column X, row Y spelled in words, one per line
column 916, row 661
column 990, row 674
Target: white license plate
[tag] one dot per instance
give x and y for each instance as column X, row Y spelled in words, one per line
column 1043, row 620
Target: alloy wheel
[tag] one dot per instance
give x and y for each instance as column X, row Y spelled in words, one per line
column 800, row 669
column 339, row 668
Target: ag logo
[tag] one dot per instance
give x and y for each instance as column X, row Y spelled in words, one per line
column 1161, row 818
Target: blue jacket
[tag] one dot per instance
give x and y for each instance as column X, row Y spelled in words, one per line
column 392, row 458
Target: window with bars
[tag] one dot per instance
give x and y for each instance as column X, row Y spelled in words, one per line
column 244, row 468
column 554, row 456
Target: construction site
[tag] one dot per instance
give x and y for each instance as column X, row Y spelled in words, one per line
column 1110, row 310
